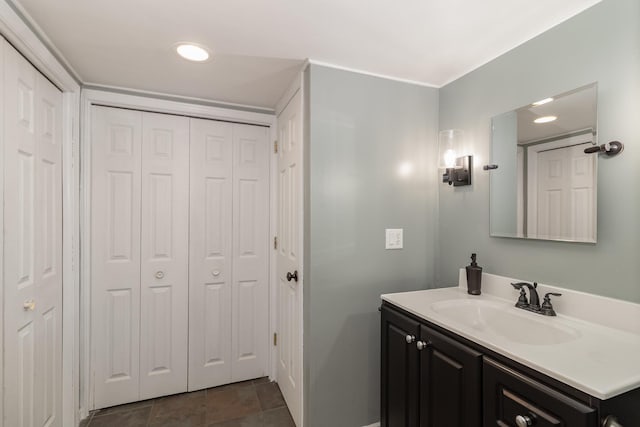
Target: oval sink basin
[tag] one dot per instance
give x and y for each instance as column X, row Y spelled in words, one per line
column 505, row 321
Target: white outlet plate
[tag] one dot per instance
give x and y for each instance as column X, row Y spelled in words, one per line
column 393, row 238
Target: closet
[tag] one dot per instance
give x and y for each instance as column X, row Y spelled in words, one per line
column 31, row 185
column 179, row 253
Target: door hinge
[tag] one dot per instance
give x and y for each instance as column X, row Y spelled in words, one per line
column 275, row 339
column 275, row 146
column 275, row 242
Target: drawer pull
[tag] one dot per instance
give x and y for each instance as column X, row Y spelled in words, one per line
column 159, row 274
column 523, row 421
column 410, row 338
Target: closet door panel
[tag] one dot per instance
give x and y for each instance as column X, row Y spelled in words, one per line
column 164, row 247
column 250, row 252
column 115, row 254
column 48, row 227
column 19, row 239
column 32, row 244
column 210, row 253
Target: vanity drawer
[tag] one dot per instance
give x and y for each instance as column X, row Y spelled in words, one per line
column 509, row 394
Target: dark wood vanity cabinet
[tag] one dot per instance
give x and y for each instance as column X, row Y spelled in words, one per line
column 428, row 379
column 433, row 378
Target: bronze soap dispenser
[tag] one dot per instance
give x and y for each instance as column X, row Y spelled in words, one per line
column 474, row 277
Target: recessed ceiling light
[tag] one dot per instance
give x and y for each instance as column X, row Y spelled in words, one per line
column 545, row 119
column 542, row 102
column 192, row 52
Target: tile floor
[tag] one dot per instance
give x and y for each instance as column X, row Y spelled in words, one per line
column 256, row 403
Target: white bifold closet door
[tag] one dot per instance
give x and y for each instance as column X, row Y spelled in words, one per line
column 180, row 239
column 32, row 246
column 139, row 269
column 229, row 298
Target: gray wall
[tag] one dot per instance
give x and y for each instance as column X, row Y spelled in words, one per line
column 601, row 44
column 361, row 129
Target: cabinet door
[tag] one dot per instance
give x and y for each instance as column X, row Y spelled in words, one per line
column 399, row 380
column 450, row 382
column 509, row 394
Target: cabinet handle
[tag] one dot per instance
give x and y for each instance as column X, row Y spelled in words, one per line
column 293, row 276
column 523, row 421
column 159, row 274
column 215, row 273
column 410, row 338
column 422, row 345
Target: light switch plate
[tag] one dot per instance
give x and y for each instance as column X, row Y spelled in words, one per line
column 393, row 238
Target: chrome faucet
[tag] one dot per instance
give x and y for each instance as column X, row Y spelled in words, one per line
column 533, row 304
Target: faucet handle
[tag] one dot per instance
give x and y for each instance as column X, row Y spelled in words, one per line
column 519, row 285
column 547, row 307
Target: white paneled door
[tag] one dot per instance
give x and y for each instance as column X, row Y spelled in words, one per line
column 565, row 181
column 32, row 245
column 116, row 147
column 289, row 259
column 179, row 254
column 228, row 311
column 250, row 290
column 165, row 255
column 210, row 264
column 140, row 211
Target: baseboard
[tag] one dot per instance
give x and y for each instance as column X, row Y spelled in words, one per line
column 373, row 425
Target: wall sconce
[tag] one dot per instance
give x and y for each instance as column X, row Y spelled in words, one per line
column 457, row 170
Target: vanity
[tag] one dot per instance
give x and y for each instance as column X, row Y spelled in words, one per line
column 453, row 359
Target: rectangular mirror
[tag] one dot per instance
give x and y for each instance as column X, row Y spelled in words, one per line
column 545, row 186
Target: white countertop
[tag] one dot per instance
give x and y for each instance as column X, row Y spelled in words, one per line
column 602, row 361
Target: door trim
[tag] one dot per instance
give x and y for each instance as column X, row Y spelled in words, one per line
column 91, row 97
column 18, row 29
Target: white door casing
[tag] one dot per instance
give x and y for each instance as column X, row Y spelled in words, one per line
column 164, row 278
column 289, row 260
column 32, row 245
column 115, row 254
column 210, row 253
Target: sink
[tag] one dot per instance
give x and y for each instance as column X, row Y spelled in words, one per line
column 506, row 321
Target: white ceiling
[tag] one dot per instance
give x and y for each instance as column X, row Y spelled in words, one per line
column 259, row 45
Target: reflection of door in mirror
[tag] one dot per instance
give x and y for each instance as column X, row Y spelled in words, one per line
column 561, row 190
column 545, row 185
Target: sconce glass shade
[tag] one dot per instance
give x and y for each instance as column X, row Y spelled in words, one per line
column 449, row 144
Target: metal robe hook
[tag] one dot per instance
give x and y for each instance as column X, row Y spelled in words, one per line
column 610, row 148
